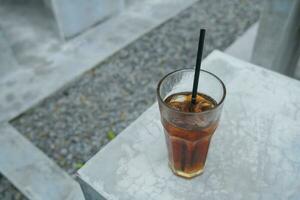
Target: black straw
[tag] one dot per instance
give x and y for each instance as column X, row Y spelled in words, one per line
column 198, row 65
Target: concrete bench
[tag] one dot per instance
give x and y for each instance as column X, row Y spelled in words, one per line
column 254, row 153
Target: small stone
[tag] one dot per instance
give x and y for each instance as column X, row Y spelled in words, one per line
column 69, row 157
column 63, row 151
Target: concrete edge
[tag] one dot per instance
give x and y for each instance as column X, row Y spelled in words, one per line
column 31, row 171
column 88, row 191
column 229, row 58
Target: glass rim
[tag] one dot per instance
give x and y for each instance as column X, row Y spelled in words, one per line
column 191, row 113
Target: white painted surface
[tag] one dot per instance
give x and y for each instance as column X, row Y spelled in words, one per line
column 254, row 153
column 31, row 171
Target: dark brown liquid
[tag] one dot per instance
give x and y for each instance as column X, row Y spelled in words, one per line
column 187, row 138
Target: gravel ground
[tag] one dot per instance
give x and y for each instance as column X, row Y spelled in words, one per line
column 8, row 191
column 73, row 124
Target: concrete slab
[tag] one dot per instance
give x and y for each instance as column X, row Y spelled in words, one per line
column 243, row 46
column 29, row 86
column 31, row 171
column 254, row 153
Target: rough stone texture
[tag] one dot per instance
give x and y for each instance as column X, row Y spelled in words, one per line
column 254, row 153
column 72, row 125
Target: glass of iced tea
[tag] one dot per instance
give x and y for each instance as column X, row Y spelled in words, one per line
column 189, row 127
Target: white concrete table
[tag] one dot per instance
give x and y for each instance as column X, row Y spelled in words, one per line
column 255, row 152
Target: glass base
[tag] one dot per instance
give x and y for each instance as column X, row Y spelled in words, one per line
column 186, row 175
